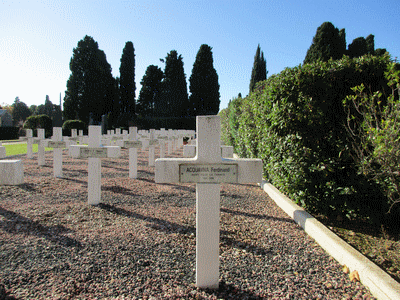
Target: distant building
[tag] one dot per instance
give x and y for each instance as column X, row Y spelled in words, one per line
column 5, row 118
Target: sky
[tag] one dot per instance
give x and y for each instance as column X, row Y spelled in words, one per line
column 37, row 38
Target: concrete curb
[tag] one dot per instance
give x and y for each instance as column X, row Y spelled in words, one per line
column 380, row 284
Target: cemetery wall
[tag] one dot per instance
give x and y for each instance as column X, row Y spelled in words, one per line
column 295, row 122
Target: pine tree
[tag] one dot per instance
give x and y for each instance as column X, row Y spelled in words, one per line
column 127, row 80
column 90, row 87
column 175, row 96
column 327, row 43
column 204, row 87
column 150, row 93
column 259, row 71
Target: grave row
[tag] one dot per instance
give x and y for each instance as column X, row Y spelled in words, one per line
column 210, row 166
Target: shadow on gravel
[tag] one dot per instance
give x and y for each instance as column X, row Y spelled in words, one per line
column 157, row 224
column 229, row 291
column 76, row 180
column 29, row 187
column 169, row 227
column 118, row 189
column 257, row 216
column 114, row 167
column 181, row 187
column 16, row 223
column 146, row 179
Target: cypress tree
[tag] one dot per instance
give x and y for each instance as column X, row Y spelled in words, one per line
column 327, row 43
column 370, row 40
column 204, row 88
column 90, row 87
column 259, row 71
column 358, row 47
column 127, row 80
column 175, row 96
column 150, row 93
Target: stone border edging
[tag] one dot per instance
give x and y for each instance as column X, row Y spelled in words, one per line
column 380, row 284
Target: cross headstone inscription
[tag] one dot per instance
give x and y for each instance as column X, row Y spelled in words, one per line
column 94, row 152
column 208, row 169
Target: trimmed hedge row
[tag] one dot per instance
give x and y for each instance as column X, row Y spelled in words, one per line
column 9, row 133
column 295, row 121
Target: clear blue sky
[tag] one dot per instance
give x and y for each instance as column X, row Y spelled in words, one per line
column 37, row 37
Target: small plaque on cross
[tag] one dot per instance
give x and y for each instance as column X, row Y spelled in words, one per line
column 208, row 173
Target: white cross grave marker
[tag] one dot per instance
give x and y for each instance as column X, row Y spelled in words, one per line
column 152, row 148
column 208, row 169
column 57, row 144
column 2, row 151
column 133, row 144
column 94, row 152
column 38, row 141
column 29, row 135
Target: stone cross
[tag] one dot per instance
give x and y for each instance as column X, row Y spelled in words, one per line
column 38, row 141
column 162, row 137
column 2, row 150
column 152, row 148
column 29, row 135
column 57, row 144
column 132, row 144
column 94, row 152
column 208, row 169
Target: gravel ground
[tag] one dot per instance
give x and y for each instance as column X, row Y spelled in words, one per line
column 140, row 242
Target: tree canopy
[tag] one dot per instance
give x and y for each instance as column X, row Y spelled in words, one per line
column 175, row 101
column 20, row 111
column 91, row 86
column 149, row 100
column 259, row 71
column 127, row 80
column 204, row 86
column 327, row 43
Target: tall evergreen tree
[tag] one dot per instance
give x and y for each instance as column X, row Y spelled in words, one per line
column 327, row 43
column 20, row 111
column 91, row 86
column 259, row 71
column 175, row 96
column 150, row 94
column 48, row 107
column 370, row 40
column 127, row 79
column 358, row 47
column 204, row 87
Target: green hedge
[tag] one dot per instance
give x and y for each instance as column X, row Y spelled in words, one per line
column 295, row 121
column 9, row 133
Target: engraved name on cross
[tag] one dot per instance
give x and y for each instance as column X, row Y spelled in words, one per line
column 208, row 169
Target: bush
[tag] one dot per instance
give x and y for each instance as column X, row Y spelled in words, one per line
column 9, row 133
column 295, row 121
column 375, row 129
column 73, row 124
column 40, row 121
